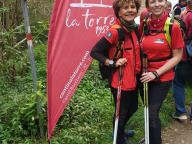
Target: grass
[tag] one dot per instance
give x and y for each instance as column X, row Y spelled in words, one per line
column 88, row 117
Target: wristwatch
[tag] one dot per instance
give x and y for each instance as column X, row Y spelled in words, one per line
column 111, row 62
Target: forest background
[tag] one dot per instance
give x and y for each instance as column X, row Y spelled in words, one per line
column 88, row 117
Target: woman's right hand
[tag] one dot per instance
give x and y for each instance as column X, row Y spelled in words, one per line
column 121, row 62
column 147, row 77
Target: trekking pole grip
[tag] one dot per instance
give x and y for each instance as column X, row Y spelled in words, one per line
column 145, row 62
column 145, row 84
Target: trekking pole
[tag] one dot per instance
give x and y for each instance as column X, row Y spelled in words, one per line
column 117, row 110
column 146, row 106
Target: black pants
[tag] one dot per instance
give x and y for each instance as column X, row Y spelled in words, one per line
column 128, row 105
column 157, row 92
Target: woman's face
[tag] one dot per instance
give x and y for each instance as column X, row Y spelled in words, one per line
column 157, row 7
column 128, row 11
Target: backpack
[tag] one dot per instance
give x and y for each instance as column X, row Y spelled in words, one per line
column 189, row 44
column 106, row 71
column 182, row 26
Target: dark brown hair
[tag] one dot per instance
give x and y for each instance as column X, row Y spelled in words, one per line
column 117, row 4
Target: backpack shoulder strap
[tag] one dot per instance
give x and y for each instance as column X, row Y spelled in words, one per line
column 168, row 28
column 121, row 39
column 137, row 33
column 115, row 26
column 121, row 34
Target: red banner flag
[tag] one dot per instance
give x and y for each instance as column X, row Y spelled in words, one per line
column 75, row 27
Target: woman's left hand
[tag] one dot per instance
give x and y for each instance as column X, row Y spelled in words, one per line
column 147, row 77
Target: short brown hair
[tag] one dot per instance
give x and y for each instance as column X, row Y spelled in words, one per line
column 117, row 4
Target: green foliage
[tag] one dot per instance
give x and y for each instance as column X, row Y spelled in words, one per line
column 189, row 94
column 18, row 102
column 88, row 117
column 4, row 10
column 166, row 110
column 14, row 61
column 40, row 32
column 40, row 53
column 40, row 9
column 18, row 116
column 28, row 113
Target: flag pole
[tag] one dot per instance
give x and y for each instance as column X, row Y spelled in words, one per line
column 32, row 61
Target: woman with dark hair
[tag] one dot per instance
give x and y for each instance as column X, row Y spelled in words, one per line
column 162, row 56
column 125, row 65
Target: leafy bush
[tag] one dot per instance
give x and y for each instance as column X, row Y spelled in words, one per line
column 40, row 32
column 88, row 117
column 40, row 53
column 29, row 117
column 18, row 115
column 14, row 57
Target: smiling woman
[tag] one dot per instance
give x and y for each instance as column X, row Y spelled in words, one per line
column 157, row 7
column 162, row 56
column 122, row 58
column 128, row 12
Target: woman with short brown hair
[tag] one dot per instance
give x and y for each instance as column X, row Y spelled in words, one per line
column 126, row 65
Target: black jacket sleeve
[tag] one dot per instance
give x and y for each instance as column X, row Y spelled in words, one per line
column 100, row 50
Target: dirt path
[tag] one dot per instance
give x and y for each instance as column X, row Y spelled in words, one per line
column 178, row 133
